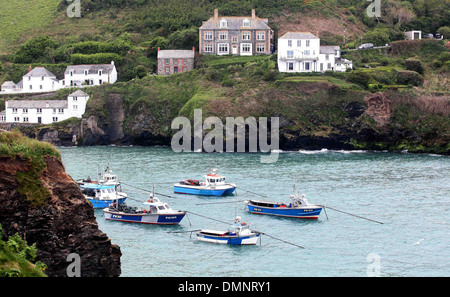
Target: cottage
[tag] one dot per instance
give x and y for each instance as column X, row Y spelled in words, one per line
column 302, row 52
column 44, row 111
column 38, row 79
column 89, row 75
column 175, row 61
column 244, row 35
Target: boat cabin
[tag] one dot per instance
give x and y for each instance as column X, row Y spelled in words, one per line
column 214, row 178
column 99, row 191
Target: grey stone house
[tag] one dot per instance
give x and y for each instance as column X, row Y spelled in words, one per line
column 175, row 61
column 231, row 35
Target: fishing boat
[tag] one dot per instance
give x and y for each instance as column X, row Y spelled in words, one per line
column 106, row 177
column 238, row 234
column 214, row 185
column 157, row 212
column 298, row 208
column 101, row 195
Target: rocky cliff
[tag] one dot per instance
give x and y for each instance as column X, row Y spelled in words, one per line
column 61, row 223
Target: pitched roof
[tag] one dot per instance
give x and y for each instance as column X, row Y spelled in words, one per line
column 40, row 71
column 78, row 93
column 298, row 35
column 236, row 23
column 91, row 68
column 176, row 54
column 37, row 104
column 8, row 84
column 329, row 49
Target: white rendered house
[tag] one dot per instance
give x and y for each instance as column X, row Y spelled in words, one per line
column 36, row 80
column 89, row 75
column 44, row 111
column 302, row 52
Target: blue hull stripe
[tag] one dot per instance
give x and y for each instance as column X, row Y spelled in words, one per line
column 229, row 240
column 96, row 203
column 162, row 219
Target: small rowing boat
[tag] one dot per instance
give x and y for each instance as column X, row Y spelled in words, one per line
column 214, row 185
column 298, row 208
column 238, row 234
column 158, row 212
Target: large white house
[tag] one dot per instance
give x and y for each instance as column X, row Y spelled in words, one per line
column 44, row 111
column 302, row 52
column 40, row 79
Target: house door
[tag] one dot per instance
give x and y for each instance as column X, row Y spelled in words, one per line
column 39, row 120
column 175, row 69
column 235, row 50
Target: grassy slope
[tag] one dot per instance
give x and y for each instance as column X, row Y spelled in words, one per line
column 20, row 16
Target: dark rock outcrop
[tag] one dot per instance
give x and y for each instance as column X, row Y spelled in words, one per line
column 65, row 224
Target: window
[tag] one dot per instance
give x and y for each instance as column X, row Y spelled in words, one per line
column 167, row 61
column 14, row 110
column 329, row 66
column 307, row 52
column 321, row 66
column 327, row 57
column 42, row 77
column 208, row 48
column 246, row 48
column 307, row 65
column 31, row 87
column 167, row 70
column 39, row 110
column 260, row 48
column 290, row 66
column 235, row 39
column 75, row 99
column 25, row 110
column 260, row 35
column 71, row 73
column 185, row 61
column 175, row 69
column 245, row 35
column 16, row 119
column 40, row 87
column 29, row 77
column 175, row 61
column 85, row 72
column 100, row 81
column 223, row 23
column 299, row 43
column 223, row 35
column 289, row 42
column 222, row 48
column 208, row 36
column 246, row 23
column 100, row 72
column 61, row 110
column 290, row 54
column 25, row 119
column 55, row 119
column 75, row 107
column 307, row 43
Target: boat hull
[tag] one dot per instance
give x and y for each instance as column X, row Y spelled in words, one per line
column 192, row 190
column 158, row 219
column 234, row 240
column 301, row 213
column 101, row 203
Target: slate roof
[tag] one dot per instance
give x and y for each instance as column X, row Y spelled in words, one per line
column 298, row 35
column 166, row 54
column 92, row 68
column 37, row 104
column 9, row 84
column 78, row 93
column 329, row 49
column 40, row 71
column 236, row 23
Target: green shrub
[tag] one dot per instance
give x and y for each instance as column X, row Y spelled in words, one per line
column 407, row 77
column 100, row 58
column 227, row 82
column 360, row 77
column 36, row 50
column 414, row 65
column 444, row 57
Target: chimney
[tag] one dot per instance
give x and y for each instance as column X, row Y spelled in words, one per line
column 30, row 68
column 193, row 49
column 317, row 33
column 216, row 14
column 159, row 48
column 253, row 14
column 112, row 62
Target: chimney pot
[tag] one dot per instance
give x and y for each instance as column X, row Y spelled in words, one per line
column 193, row 48
column 253, row 14
column 159, row 48
column 216, row 14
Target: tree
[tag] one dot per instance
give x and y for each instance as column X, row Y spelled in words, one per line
column 40, row 49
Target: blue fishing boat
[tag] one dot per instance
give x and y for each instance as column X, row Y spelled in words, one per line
column 298, row 208
column 214, row 185
column 102, row 195
column 157, row 213
column 238, row 234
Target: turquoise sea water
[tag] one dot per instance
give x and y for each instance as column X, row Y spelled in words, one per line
column 409, row 193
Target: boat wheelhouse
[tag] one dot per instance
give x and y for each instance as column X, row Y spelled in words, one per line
column 102, row 195
column 158, row 212
column 214, row 185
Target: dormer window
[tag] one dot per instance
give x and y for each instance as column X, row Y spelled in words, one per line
column 246, row 23
column 223, row 23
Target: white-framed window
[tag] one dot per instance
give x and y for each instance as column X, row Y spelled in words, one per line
column 54, row 110
column 38, row 110
column 86, row 72
column 290, row 66
column 307, row 43
column 245, row 23
column 223, row 23
column 299, row 43
column 31, row 87
column 307, row 52
column 75, row 107
column 223, row 35
column 307, row 66
column 16, row 119
column 329, row 66
column 100, row 72
column 25, row 119
column 290, row 54
column 29, row 77
column 55, row 119
column 246, row 35
column 327, row 57
column 208, row 48
column 246, row 48
column 42, row 77
column 74, row 98
column 321, row 66
column 260, row 35
column 61, row 110
column 71, row 73
column 260, row 48
column 24, row 110
column 14, row 110
column 289, row 42
column 208, row 35
column 222, row 48
column 40, row 87
column 234, row 39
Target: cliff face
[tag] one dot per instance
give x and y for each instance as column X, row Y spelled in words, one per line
column 64, row 224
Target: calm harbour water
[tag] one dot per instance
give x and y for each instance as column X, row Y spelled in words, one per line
column 409, row 193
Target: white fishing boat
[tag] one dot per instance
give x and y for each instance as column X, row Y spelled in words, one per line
column 214, row 185
column 104, row 177
column 238, row 234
